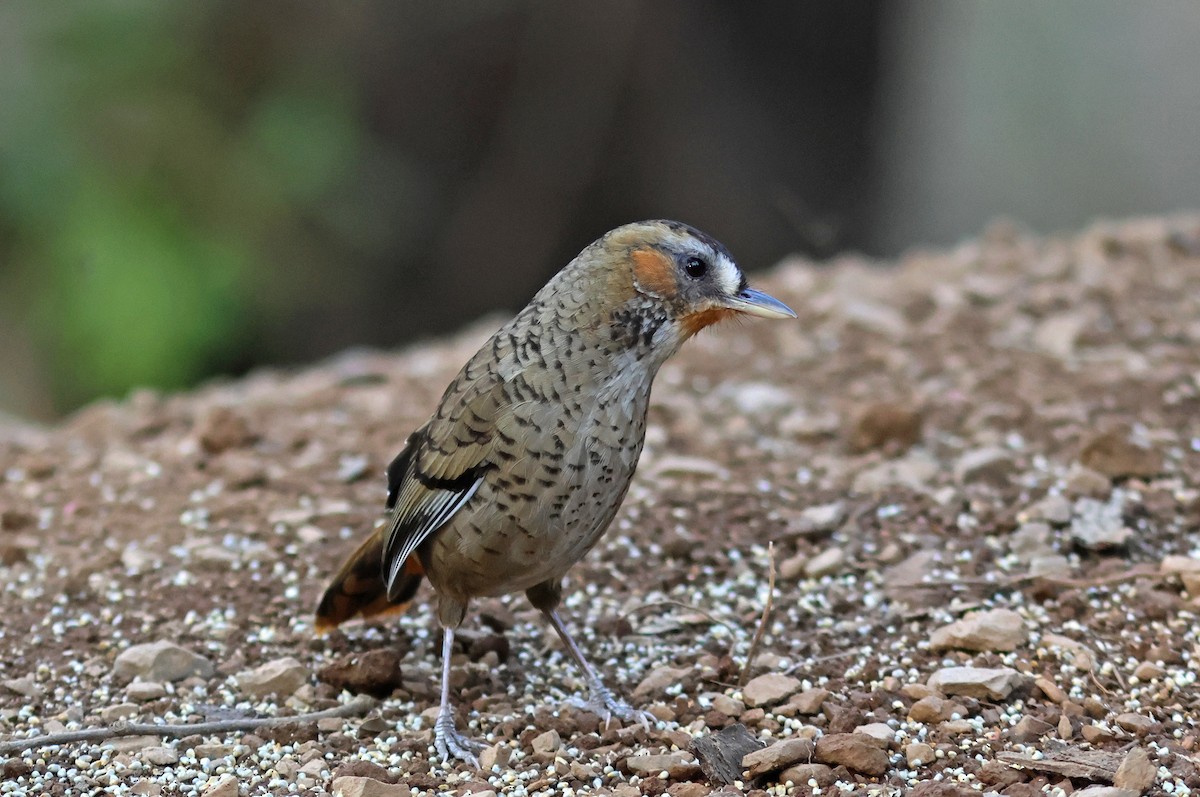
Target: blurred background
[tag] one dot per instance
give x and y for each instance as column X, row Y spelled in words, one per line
column 191, row 189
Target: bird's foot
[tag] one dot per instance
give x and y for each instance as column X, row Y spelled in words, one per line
column 451, row 744
column 606, row 705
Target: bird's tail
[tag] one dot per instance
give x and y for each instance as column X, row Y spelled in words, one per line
column 358, row 589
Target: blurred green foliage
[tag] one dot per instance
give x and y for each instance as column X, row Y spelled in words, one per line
column 138, row 193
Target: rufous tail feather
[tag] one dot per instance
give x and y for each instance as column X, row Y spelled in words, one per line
column 358, row 589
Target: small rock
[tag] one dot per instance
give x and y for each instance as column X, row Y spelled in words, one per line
column 756, row 398
column 981, row 682
column 161, row 661
column 808, row 702
column 880, row 734
column 821, row 518
column 769, row 689
column 1053, row 692
column 918, row 754
column 133, row 744
column 548, row 742
column 991, row 464
column 363, row 769
column 885, row 426
column 1096, row 734
column 221, row 429
column 658, row 680
column 1148, row 671
column 145, row 691
column 1086, row 482
column 1099, row 525
column 1058, row 334
column 1116, row 456
column 825, row 563
column 25, row 686
column 688, row 789
column 279, row 677
column 1188, row 570
column 226, row 786
column 355, row 786
column 1105, row 791
column 111, row 714
column 993, row 631
column 1135, row 723
column 1054, row 509
column 930, row 709
column 678, row 766
column 679, row 465
column 493, row 756
column 777, row 756
column 376, row 673
column 1136, row 772
column 728, row 706
column 1029, row 729
column 160, row 756
column 807, row 774
column 913, row 472
column 853, row 752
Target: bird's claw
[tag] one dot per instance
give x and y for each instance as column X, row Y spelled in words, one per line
column 451, row 744
column 605, row 705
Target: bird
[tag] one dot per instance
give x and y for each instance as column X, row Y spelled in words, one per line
column 531, row 450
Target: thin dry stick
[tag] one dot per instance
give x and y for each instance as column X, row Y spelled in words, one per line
column 359, row 705
column 655, row 604
column 762, row 621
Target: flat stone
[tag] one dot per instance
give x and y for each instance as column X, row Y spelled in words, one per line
column 1100, row 525
column 919, row 754
column 1085, row 482
column 133, row 744
column 1137, row 772
column 852, row 751
column 225, row 786
column 25, row 686
column 376, row 672
column 145, row 691
column 678, row 765
column 160, row 756
column 161, row 661
column 494, row 755
column 827, row 562
column 548, row 742
column 806, row 774
column 1117, row 457
column 777, row 756
column 808, row 702
column 658, row 680
column 1135, row 723
column 991, row 464
column 1106, row 791
column 1053, row 692
column 356, row 786
column 996, row 630
column 913, row 472
column 278, row 677
column 769, row 689
column 1053, row 509
column 980, row 682
column 879, row 733
column 119, row 711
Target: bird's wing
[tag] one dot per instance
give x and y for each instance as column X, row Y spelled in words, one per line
column 441, row 467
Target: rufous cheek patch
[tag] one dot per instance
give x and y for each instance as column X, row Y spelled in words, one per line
column 654, row 273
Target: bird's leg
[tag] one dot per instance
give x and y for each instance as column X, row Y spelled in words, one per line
column 446, row 738
column 601, row 700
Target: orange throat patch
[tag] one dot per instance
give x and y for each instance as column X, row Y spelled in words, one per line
column 694, row 322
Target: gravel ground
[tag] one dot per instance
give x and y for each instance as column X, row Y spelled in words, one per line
column 973, row 477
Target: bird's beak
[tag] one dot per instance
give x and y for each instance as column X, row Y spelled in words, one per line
column 752, row 302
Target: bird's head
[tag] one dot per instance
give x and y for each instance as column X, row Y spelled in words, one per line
column 688, row 276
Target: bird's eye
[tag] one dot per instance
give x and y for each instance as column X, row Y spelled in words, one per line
column 695, row 267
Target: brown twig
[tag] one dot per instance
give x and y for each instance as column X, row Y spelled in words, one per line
column 680, row 604
column 764, row 620
column 359, row 705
